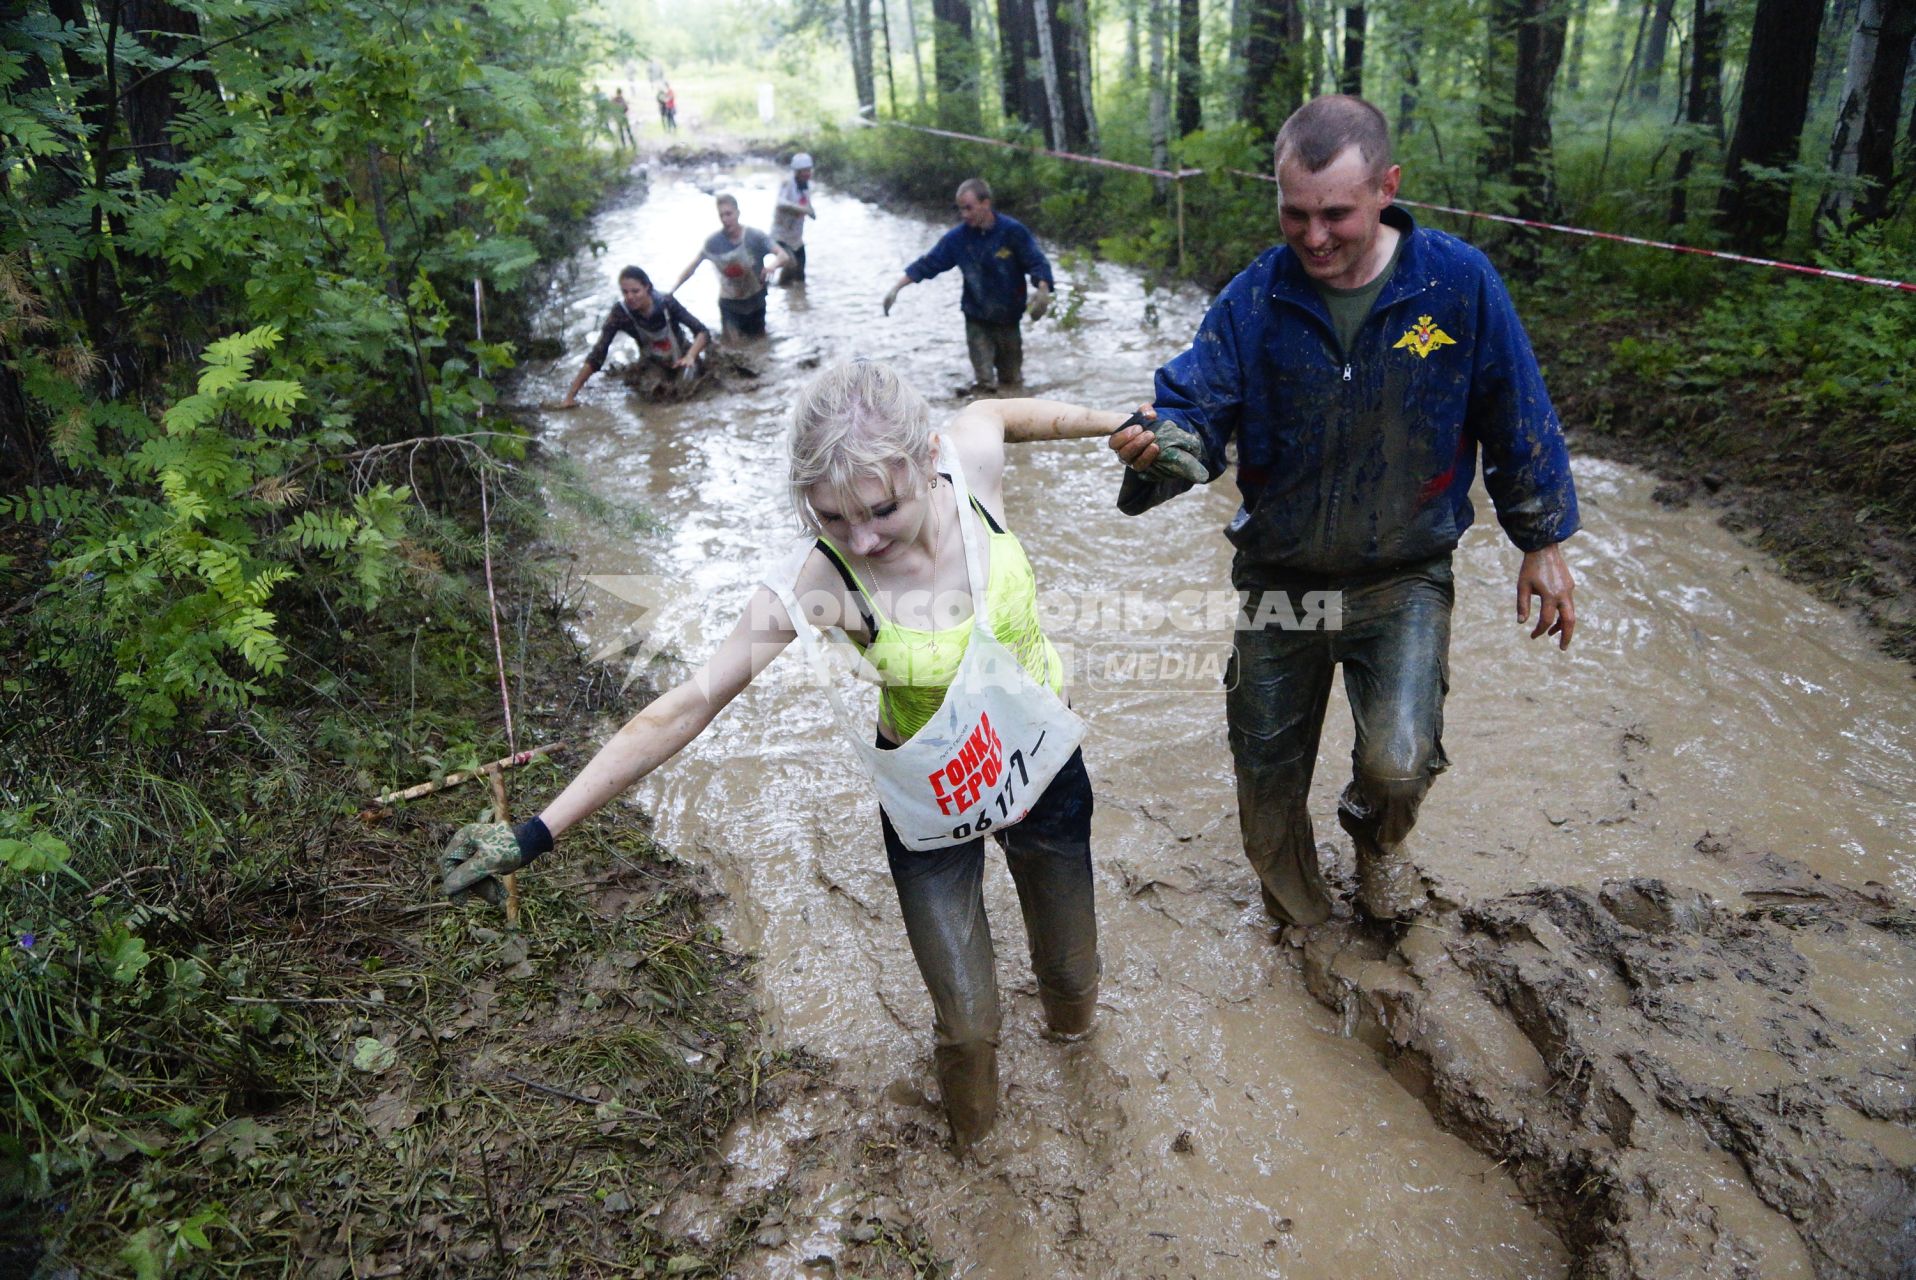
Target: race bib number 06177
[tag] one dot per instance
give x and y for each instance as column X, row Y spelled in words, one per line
column 981, row 783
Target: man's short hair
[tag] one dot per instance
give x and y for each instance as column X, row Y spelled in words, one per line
column 1318, row 132
column 977, row 187
column 728, row 198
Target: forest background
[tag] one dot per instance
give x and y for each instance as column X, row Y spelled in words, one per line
column 263, row 266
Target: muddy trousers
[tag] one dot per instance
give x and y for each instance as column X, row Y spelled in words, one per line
column 795, row 272
column 1391, row 634
column 941, row 893
column 743, row 316
column 999, row 347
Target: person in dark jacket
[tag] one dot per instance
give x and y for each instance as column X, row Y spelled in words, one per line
column 1357, row 369
column 995, row 253
column 665, row 331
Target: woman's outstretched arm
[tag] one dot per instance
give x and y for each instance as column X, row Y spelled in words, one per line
column 677, row 717
column 1026, row 420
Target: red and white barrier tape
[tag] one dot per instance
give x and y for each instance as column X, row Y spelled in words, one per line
column 1100, row 161
column 1179, row 174
column 1851, row 276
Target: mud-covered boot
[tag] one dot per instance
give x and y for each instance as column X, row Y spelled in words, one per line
column 968, row 1085
column 1390, row 889
column 1070, row 1019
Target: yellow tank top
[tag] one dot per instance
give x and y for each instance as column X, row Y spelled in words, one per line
column 916, row 667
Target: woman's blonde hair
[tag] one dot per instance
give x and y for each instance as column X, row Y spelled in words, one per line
column 857, row 420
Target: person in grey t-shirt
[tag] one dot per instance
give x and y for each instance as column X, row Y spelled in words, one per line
column 738, row 252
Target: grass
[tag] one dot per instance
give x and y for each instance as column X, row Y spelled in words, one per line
column 317, row 1067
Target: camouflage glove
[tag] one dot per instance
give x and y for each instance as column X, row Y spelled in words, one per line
column 479, row 854
column 1040, row 303
column 1180, row 455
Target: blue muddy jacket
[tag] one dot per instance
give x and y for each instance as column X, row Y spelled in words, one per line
column 1361, row 461
column 995, row 264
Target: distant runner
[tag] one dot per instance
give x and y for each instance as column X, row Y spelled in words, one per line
column 788, row 219
column 666, row 332
column 995, row 252
column 622, row 118
column 738, row 253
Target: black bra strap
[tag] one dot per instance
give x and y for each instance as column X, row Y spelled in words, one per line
column 851, row 584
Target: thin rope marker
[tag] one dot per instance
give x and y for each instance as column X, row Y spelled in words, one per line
column 1827, row 272
column 1179, row 175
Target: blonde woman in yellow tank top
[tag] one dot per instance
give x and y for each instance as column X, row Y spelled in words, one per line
column 874, row 486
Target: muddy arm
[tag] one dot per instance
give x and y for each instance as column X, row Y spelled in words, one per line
column 663, row 729
column 1025, row 420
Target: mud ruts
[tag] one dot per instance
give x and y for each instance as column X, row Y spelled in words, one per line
column 1684, row 1090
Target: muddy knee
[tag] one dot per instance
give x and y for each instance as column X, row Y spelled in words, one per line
column 1381, row 810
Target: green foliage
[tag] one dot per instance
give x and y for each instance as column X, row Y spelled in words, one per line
column 356, row 174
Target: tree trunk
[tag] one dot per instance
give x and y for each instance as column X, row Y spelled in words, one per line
column 1133, row 47
column 1319, row 26
column 96, row 282
column 1650, row 58
column 1273, row 72
column 1837, row 202
column 1190, row 106
column 1049, row 71
column 1528, row 36
column 170, row 34
column 1160, row 113
column 917, row 55
column 891, row 82
column 954, row 56
column 1769, row 121
column 1882, row 105
column 1579, row 30
column 1410, row 50
column 1704, row 103
column 1862, row 145
column 858, row 35
column 1831, row 56
column 1021, row 90
column 1352, row 80
column 1082, row 35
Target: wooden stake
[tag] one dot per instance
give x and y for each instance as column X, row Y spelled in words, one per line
column 502, row 814
column 1180, row 186
column 454, row 779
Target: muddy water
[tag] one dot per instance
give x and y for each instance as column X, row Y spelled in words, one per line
column 1219, row 1123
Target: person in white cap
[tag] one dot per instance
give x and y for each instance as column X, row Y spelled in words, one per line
column 788, row 220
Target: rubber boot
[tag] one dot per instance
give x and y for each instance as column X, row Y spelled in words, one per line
column 1379, row 815
column 1070, row 1019
column 968, row 1083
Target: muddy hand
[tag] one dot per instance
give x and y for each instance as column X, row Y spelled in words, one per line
column 475, row 859
column 1040, row 303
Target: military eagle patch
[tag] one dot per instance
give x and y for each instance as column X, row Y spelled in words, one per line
column 1424, row 338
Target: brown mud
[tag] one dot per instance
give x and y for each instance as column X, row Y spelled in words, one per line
column 1619, row 1045
column 720, row 372
column 1685, row 1088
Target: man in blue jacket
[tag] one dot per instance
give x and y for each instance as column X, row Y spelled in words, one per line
column 994, row 252
column 1357, row 369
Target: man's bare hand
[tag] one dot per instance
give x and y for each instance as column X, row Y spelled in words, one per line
column 1164, row 451
column 1545, row 576
column 1136, row 446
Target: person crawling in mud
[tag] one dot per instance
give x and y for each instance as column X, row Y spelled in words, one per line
column 1355, row 371
column 671, row 339
column 906, row 553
